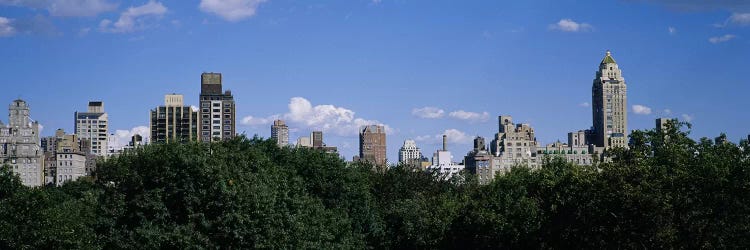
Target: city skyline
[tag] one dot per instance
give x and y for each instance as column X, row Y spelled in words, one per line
column 421, row 80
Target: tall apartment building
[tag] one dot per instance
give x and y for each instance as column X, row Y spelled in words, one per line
column 20, row 146
column 372, row 145
column 217, row 110
column 94, row 126
column 661, row 124
column 409, row 154
column 515, row 143
column 481, row 162
column 174, row 122
column 280, row 133
column 317, row 139
column 609, row 105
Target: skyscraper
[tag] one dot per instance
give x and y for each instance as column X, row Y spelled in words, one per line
column 174, row 122
column 372, row 144
column 609, row 105
column 317, row 139
column 20, row 146
column 409, row 154
column 280, row 133
column 217, row 110
column 94, row 126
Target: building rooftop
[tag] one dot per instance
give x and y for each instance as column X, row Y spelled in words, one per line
column 608, row 58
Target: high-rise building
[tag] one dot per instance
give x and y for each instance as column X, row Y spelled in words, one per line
column 20, row 146
column 661, row 124
column 317, row 139
column 217, row 110
column 174, row 122
column 67, row 157
column 516, row 144
column 609, row 105
column 372, row 144
column 94, row 126
column 409, row 154
column 481, row 162
column 280, row 133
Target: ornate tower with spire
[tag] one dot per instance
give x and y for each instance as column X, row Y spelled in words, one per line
column 609, row 105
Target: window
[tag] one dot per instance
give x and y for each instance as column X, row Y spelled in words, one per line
column 216, row 104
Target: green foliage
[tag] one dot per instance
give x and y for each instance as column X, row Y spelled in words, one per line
column 665, row 191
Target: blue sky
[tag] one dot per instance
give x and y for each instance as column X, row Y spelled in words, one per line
column 334, row 65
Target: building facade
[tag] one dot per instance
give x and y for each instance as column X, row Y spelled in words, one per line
column 70, row 166
column 482, row 162
column 69, row 152
column 409, row 154
column 372, row 145
column 515, row 144
column 609, row 105
column 442, row 162
column 94, row 126
column 217, row 110
column 174, row 122
column 315, row 141
column 20, row 146
column 280, row 133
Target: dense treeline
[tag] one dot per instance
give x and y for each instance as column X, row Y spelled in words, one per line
column 667, row 191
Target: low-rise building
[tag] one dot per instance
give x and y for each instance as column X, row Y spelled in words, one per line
column 442, row 162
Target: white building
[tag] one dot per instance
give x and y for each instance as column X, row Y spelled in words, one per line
column 20, row 146
column 94, row 125
column 304, row 142
column 409, row 153
column 70, row 166
column 442, row 162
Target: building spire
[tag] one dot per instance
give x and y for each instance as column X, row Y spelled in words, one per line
column 608, row 58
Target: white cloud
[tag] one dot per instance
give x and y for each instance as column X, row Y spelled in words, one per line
column 740, row 18
column 66, row 8
column 672, row 30
column 134, row 18
column 428, row 112
column 687, row 118
column 6, row 28
column 194, row 108
column 585, row 105
column 667, row 111
column 328, row 118
column 231, row 10
column 641, row 110
column 568, row 25
column 122, row 137
column 454, row 136
column 255, row 121
column 470, row 116
column 721, row 39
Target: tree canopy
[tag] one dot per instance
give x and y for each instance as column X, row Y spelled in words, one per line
column 665, row 191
